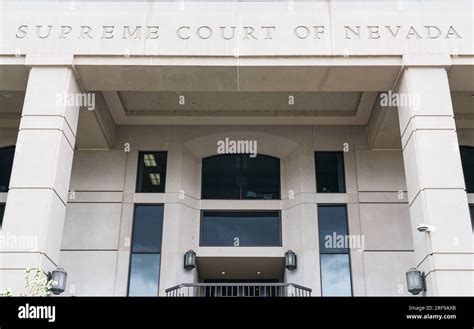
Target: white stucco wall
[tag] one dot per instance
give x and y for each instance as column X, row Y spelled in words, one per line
column 101, row 215
column 336, row 57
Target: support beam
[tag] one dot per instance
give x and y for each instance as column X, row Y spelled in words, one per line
column 96, row 128
column 435, row 183
column 382, row 129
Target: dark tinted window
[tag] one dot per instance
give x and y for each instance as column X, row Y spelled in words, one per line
column 147, row 228
column 6, row 164
column 240, row 228
column 261, row 177
column 220, row 177
column 334, row 251
column 151, row 172
column 330, row 172
column 467, row 158
column 146, row 250
column 332, row 224
column 238, row 176
column 2, row 212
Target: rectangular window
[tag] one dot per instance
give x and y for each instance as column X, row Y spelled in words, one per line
column 239, row 176
column 244, row 228
column 146, row 250
column 332, row 222
column 260, row 178
column 335, row 275
column 330, row 172
column 334, row 251
column 221, row 177
column 151, row 172
column 2, row 212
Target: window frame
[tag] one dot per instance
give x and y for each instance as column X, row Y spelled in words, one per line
column 280, row 233
column 344, row 185
column 139, row 173
column 239, row 177
column 144, row 252
column 325, row 253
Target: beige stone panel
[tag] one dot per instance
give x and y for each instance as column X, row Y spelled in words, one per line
column 91, row 226
column 90, row 273
column 98, row 170
column 384, row 276
column 386, row 227
column 380, row 171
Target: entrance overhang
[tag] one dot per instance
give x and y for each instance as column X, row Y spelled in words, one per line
column 146, row 90
column 240, row 268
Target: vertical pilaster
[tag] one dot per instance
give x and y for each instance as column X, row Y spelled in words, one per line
column 181, row 218
column 435, row 183
column 36, row 202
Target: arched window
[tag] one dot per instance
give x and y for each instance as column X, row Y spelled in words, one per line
column 239, row 176
column 6, row 164
column 467, row 159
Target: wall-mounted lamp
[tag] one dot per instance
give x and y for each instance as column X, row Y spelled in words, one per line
column 290, row 260
column 426, row 228
column 415, row 281
column 59, row 277
column 189, row 260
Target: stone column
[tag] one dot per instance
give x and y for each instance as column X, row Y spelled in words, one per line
column 181, row 215
column 435, row 183
column 36, row 202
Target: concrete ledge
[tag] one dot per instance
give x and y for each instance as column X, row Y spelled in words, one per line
column 427, row 60
column 240, row 252
column 49, row 60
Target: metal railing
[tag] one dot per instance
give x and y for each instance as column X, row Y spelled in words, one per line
column 238, row 290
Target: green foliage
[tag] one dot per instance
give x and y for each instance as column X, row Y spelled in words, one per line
column 36, row 285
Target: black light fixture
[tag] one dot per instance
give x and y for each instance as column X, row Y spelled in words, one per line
column 189, row 260
column 290, row 260
column 59, row 277
column 415, row 281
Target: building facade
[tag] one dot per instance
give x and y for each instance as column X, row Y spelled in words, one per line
column 134, row 132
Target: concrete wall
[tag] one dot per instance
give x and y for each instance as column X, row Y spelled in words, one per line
column 375, row 25
column 99, row 218
column 96, row 238
column 97, row 230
